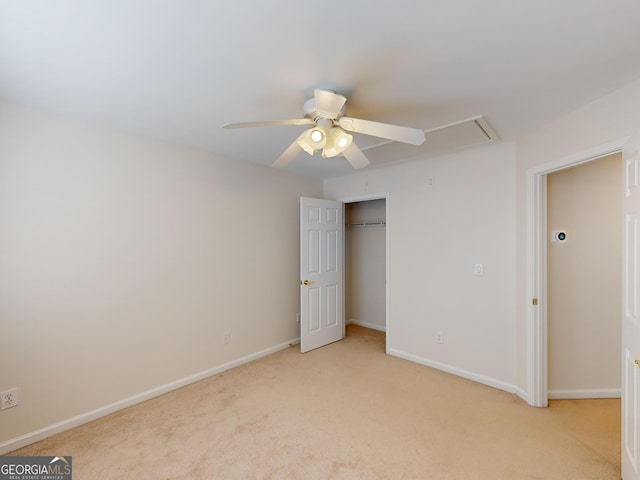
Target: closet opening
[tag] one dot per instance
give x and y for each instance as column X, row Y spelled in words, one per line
column 366, row 293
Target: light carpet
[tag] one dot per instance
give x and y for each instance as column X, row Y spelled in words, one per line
column 344, row 411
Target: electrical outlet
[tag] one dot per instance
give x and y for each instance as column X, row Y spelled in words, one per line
column 439, row 337
column 226, row 338
column 8, row 399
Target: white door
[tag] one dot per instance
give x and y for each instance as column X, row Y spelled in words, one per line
column 321, row 273
column 630, row 314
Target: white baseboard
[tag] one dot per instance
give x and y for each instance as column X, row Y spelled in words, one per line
column 372, row 326
column 522, row 394
column 491, row 382
column 50, row 430
column 584, row 394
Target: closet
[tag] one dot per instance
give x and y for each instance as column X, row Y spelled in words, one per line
column 365, row 263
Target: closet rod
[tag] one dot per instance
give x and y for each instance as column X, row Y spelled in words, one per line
column 367, row 224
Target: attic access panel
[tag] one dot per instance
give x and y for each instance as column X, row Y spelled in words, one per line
column 439, row 140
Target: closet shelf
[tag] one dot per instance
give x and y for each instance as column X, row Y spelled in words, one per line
column 378, row 223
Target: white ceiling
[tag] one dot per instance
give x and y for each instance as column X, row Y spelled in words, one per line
column 179, row 69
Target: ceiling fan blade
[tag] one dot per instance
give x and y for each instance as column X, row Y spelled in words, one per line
column 355, row 157
column 328, row 104
column 289, row 154
column 414, row 136
column 295, row 121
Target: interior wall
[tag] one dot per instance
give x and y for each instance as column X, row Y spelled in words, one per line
column 582, row 134
column 366, row 265
column 584, row 279
column 124, row 260
column 447, row 214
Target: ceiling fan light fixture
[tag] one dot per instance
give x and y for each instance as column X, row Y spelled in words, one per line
column 312, row 140
column 325, row 113
column 306, row 147
column 316, row 135
column 337, row 142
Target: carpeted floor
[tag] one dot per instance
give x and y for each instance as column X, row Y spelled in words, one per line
column 345, row 411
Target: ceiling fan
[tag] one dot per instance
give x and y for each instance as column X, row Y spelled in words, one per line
column 325, row 111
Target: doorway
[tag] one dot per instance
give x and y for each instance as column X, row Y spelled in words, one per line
column 536, row 262
column 584, row 248
column 367, row 262
column 323, row 259
column 536, row 266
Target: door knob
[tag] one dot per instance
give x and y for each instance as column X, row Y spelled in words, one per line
column 638, row 363
column 306, row 282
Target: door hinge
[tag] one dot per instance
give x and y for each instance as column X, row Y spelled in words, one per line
column 534, row 301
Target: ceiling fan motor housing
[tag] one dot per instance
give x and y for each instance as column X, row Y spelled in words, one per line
column 310, row 111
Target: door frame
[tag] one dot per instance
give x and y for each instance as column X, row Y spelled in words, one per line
column 363, row 198
column 536, row 265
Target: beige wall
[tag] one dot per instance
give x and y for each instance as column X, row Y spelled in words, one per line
column 123, row 260
column 584, row 275
column 436, row 235
column 477, row 213
column 366, row 265
column 582, row 134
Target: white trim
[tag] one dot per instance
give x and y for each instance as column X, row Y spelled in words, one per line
column 69, row 423
column 364, row 197
column 536, row 283
column 381, row 196
column 578, row 158
column 584, row 394
column 537, row 315
column 491, row 382
column 520, row 393
column 372, row 326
